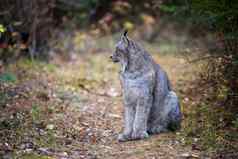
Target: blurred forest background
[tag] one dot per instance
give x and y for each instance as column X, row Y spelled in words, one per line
column 60, row 94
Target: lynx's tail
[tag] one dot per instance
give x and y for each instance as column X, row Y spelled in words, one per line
column 174, row 115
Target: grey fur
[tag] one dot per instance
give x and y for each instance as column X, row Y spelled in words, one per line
column 150, row 105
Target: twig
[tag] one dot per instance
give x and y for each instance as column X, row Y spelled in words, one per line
column 202, row 58
column 92, row 92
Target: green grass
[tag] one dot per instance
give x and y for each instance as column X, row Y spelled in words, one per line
column 37, row 65
column 34, row 156
column 3, row 99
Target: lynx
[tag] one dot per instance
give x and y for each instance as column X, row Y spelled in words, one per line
column 150, row 105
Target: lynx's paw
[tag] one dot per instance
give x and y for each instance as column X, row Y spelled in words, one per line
column 123, row 137
column 157, row 130
column 140, row 135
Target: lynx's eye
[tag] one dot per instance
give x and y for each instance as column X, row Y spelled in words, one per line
column 119, row 51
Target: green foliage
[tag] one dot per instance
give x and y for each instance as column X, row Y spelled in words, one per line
column 34, row 156
column 168, row 8
column 2, row 29
column 36, row 65
column 80, row 11
column 3, row 99
column 35, row 113
column 235, row 122
column 222, row 18
column 12, row 122
column 89, row 4
column 221, row 15
column 8, row 77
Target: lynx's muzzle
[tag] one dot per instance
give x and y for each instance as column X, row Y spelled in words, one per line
column 114, row 59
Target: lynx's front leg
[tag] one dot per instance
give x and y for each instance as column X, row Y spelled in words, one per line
column 144, row 105
column 129, row 115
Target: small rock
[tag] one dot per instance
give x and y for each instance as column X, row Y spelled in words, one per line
column 186, row 99
column 63, row 154
column 28, row 150
column 186, row 155
column 114, row 115
column 43, row 150
column 113, row 93
column 195, row 139
column 26, row 145
column 6, row 147
column 195, row 155
column 50, row 127
column 42, row 132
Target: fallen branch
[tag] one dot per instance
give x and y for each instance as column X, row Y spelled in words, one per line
column 93, row 92
column 204, row 58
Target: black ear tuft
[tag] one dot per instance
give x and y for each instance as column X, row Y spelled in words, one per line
column 125, row 32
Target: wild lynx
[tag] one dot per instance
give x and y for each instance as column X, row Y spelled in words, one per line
column 150, row 105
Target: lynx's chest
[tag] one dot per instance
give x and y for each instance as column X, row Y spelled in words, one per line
column 135, row 86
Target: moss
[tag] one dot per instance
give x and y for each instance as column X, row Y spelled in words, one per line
column 8, row 77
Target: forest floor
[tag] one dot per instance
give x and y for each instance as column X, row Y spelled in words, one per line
column 74, row 110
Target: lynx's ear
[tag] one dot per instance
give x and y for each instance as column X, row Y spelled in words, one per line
column 124, row 38
column 125, row 33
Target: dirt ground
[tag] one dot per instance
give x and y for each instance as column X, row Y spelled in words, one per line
column 82, row 112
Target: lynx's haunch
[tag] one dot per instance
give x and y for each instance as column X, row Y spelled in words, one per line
column 150, row 105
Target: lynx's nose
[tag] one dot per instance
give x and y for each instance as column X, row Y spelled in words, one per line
column 114, row 59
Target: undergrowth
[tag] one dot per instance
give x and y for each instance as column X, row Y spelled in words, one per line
column 208, row 123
